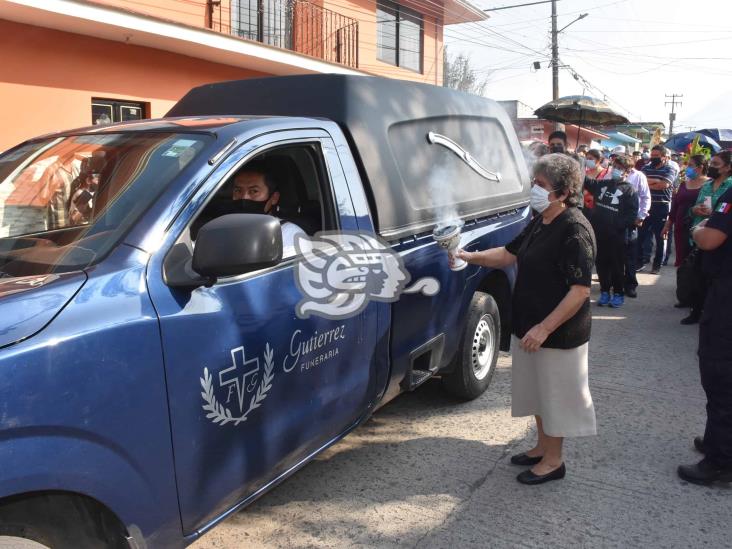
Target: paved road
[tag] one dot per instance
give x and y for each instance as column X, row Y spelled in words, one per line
column 428, row 472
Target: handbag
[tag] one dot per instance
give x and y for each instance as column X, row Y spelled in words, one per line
column 690, row 281
column 689, row 278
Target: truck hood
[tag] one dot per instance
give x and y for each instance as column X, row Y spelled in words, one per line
column 29, row 303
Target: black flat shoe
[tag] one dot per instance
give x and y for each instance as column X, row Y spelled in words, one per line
column 681, row 306
column 704, row 473
column 631, row 292
column 699, row 445
column 689, row 320
column 528, row 477
column 524, row 460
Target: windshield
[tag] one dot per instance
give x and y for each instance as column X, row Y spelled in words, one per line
column 65, row 202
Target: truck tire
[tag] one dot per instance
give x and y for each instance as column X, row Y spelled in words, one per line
column 475, row 360
column 58, row 521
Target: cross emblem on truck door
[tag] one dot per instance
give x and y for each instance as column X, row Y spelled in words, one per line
column 239, row 373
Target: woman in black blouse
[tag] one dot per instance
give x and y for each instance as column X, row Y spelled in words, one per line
column 551, row 316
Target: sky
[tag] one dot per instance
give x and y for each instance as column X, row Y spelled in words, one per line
column 631, row 52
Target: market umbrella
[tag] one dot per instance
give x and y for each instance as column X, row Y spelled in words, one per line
column 680, row 141
column 579, row 110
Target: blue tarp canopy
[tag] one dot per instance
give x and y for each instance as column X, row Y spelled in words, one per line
column 622, row 138
column 617, row 138
column 720, row 135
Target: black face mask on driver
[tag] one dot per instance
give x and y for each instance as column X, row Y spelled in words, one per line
column 250, row 206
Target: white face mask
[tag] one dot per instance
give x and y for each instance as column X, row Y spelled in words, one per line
column 590, row 164
column 539, row 199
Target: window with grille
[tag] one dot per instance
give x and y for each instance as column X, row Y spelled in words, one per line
column 399, row 36
column 265, row 21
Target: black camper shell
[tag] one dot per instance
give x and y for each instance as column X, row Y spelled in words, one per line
column 426, row 154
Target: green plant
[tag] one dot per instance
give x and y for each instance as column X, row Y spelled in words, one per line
column 696, row 148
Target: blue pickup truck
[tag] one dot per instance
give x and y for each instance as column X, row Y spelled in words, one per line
column 169, row 353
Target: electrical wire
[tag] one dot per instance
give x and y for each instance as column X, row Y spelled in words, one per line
column 591, row 86
column 652, row 63
column 639, row 46
column 471, row 38
column 476, row 38
column 433, row 8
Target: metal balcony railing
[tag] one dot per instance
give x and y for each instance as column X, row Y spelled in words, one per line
column 296, row 25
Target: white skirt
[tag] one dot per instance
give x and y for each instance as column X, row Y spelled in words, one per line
column 552, row 384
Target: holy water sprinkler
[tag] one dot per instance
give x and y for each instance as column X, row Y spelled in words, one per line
column 448, row 237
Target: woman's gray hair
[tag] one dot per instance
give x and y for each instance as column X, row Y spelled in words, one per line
column 564, row 173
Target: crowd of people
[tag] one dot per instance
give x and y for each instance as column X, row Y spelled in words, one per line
column 609, row 211
column 669, row 194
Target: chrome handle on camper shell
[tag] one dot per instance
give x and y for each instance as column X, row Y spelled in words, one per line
column 465, row 156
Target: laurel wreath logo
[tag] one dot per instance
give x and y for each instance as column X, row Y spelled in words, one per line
column 220, row 414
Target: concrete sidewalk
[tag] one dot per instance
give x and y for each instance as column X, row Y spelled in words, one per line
column 428, row 472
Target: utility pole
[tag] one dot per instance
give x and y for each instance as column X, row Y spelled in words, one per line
column 672, row 114
column 555, row 47
column 555, row 35
column 555, row 53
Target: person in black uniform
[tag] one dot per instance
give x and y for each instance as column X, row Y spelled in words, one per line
column 615, row 212
column 714, row 236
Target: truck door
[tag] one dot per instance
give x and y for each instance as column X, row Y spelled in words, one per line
column 253, row 389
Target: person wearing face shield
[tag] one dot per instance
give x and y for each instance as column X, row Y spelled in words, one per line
column 551, row 318
column 256, row 192
column 616, row 210
column 558, row 142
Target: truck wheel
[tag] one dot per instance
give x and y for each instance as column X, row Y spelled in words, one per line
column 475, row 360
column 57, row 521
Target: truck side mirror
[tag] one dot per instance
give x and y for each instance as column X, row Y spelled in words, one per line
column 229, row 245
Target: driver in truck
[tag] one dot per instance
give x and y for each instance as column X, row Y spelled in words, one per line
column 256, row 191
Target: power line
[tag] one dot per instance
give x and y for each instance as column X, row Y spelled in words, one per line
column 638, row 46
column 587, row 84
column 518, row 5
column 646, row 31
column 610, row 49
column 493, row 46
column 671, row 66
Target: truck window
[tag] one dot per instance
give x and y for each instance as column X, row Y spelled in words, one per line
column 66, row 202
column 287, row 182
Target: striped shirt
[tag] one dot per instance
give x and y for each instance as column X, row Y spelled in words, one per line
column 665, row 172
